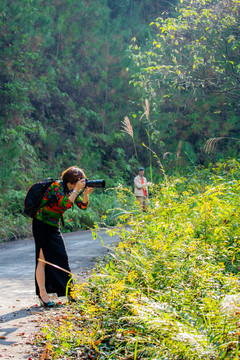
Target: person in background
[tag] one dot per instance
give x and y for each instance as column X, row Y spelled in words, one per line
column 141, row 188
column 49, row 243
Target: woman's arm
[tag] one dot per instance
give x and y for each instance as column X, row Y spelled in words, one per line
column 73, row 197
column 85, row 195
column 82, row 203
column 79, row 186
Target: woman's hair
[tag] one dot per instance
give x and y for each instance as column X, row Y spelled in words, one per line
column 73, row 174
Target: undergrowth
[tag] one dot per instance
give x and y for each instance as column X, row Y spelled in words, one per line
column 13, row 223
column 170, row 288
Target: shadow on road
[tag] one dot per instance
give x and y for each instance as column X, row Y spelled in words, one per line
column 7, row 329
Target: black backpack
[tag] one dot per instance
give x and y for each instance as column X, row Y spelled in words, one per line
column 33, row 199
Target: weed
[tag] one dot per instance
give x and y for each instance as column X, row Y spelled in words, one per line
column 170, row 289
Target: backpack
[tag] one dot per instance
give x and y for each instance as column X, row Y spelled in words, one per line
column 33, row 199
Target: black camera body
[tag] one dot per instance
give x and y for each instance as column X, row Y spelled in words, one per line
column 100, row 184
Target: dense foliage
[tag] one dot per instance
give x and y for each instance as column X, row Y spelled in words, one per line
column 190, row 74
column 70, row 80
column 69, row 75
column 64, row 91
column 170, row 290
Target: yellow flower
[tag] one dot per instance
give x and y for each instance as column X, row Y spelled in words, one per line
column 132, row 276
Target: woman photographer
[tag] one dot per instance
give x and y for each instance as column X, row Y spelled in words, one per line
column 50, row 246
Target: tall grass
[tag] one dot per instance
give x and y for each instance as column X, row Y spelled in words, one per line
column 211, row 144
column 170, row 288
column 128, row 129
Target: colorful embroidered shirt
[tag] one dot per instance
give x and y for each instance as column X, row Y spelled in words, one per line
column 53, row 212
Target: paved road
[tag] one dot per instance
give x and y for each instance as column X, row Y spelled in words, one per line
column 17, row 288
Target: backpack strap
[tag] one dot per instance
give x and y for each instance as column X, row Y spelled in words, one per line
column 65, row 188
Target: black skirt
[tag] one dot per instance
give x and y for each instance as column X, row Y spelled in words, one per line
column 49, row 238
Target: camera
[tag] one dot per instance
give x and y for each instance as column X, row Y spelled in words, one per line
column 95, row 183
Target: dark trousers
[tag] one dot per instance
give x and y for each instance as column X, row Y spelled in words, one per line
column 49, row 238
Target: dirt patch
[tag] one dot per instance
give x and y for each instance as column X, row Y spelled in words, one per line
column 17, row 330
column 19, row 326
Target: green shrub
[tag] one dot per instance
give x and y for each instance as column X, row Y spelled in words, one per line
column 171, row 288
column 103, row 211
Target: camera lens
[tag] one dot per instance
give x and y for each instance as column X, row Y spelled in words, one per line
column 95, row 183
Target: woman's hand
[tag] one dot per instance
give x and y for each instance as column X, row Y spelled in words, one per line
column 88, row 190
column 79, row 185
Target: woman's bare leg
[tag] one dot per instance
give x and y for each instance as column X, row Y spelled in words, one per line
column 40, row 277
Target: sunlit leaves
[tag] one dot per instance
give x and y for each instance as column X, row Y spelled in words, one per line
column 197, row 41
column 172, row 284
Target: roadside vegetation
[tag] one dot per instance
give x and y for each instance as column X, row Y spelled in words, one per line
column 74, row 74
column 170, row 287
column 110, row 86
column 16, row 225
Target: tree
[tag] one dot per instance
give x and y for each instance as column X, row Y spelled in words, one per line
column 197, row 49
column 191, row 71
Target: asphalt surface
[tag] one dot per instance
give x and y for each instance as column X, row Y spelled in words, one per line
column 19, row 306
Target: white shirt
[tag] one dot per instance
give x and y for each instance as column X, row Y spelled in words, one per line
column 138, row 186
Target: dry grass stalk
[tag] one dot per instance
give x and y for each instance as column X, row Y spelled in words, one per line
column 179, row 149
column 127, row 127
column 165, row 154
column 210, row 145
column 147, row 108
